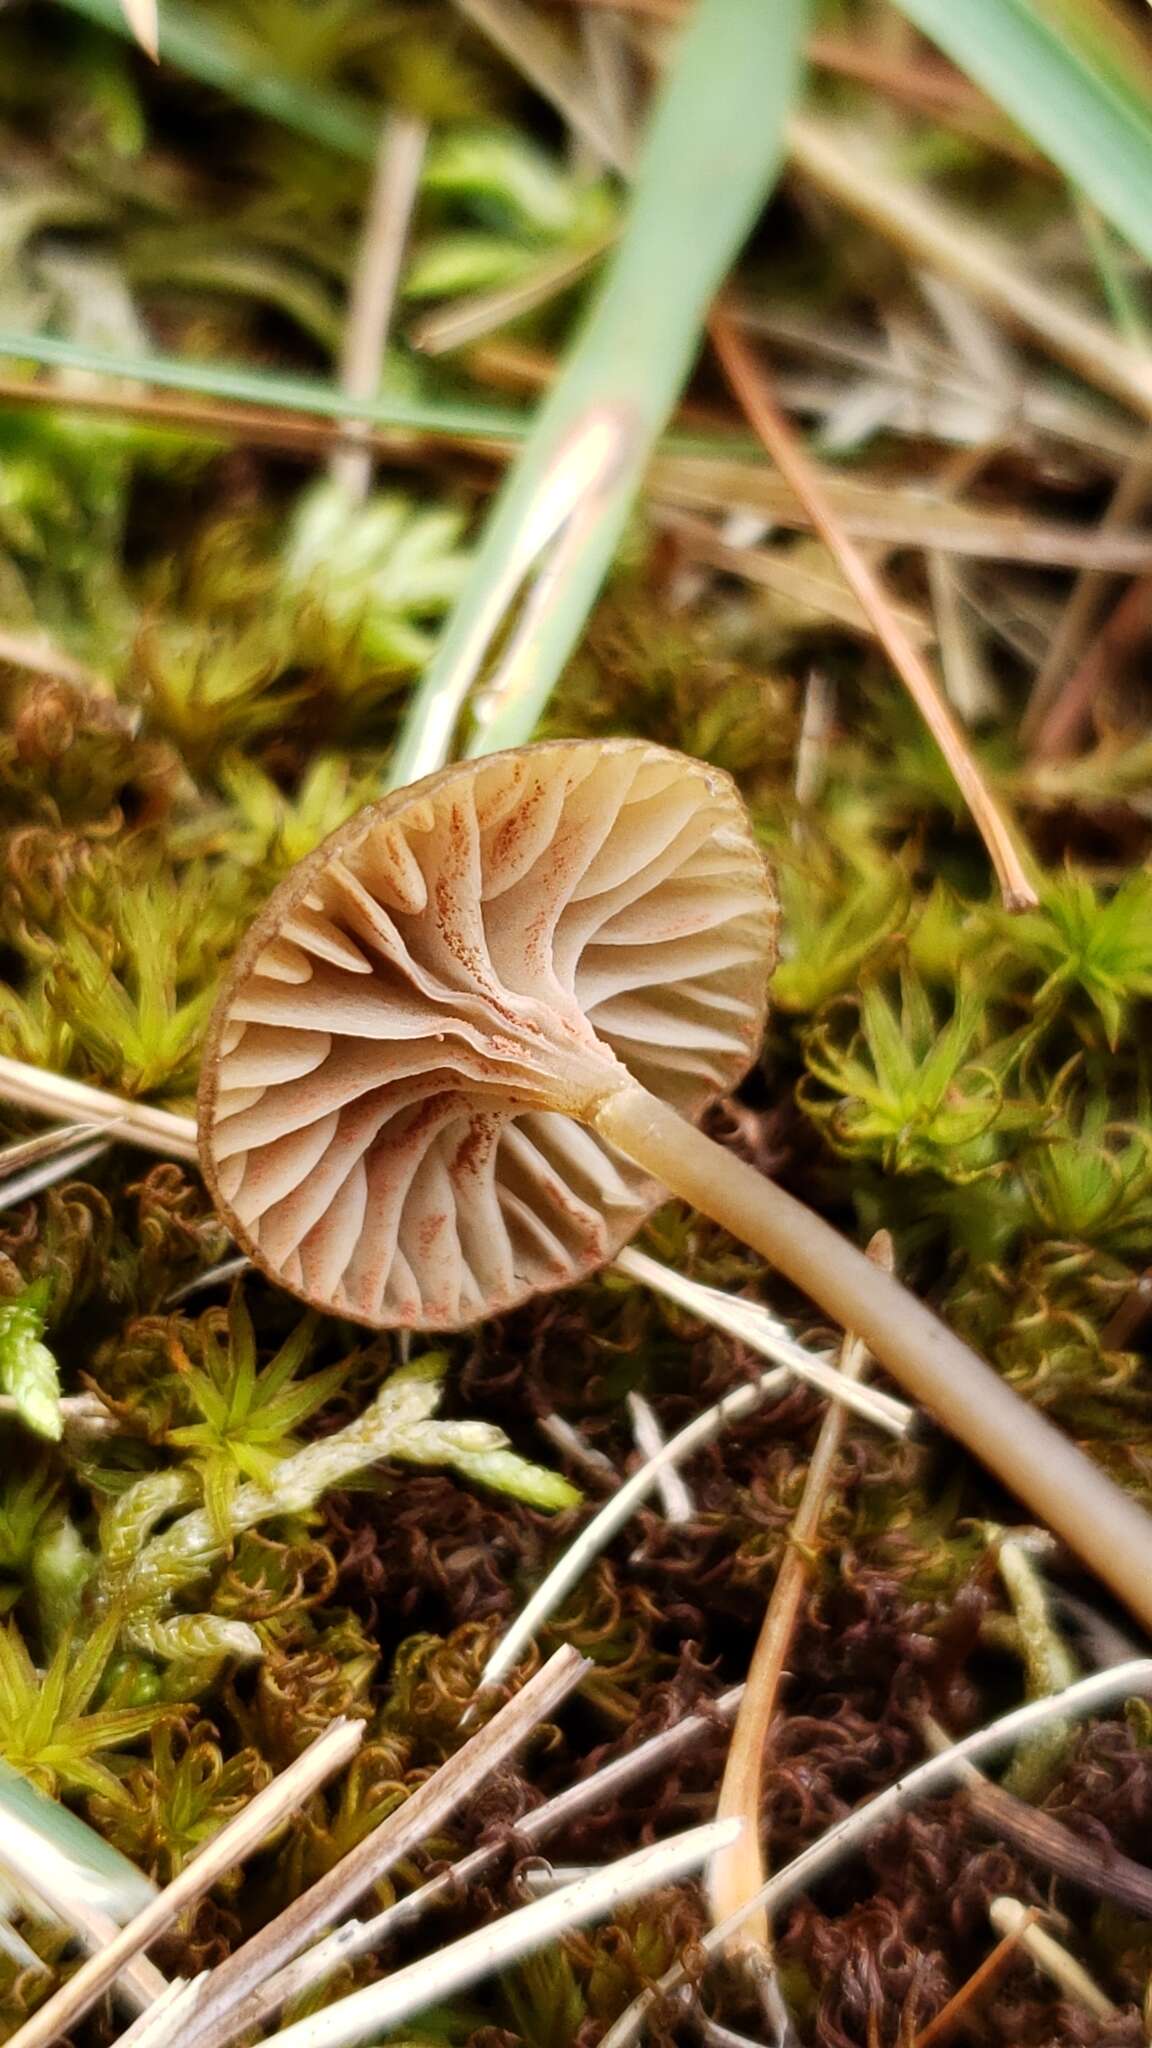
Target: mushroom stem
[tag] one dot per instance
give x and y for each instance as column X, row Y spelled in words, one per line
column 1041, row 1467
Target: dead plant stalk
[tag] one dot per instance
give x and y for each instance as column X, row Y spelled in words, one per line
column 738, row 1873
column 751, row 386
column 234, row 1843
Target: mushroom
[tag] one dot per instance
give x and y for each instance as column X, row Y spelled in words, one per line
column 459, row 1056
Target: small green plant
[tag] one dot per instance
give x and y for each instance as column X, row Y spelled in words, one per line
column 267, row 828
column 838, row 914
column 246, row 1416
column 1099, row 945
column 208, row 683
column 504, row 204
column 28, row 1371
column 129, row 973
column 380, row 574
column 887, row 1081
column 1089, row 1179
column 49, row 1728
column 29, row 1503
column 162, row 1810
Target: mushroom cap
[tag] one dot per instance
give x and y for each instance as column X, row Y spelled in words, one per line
column 409, row 1034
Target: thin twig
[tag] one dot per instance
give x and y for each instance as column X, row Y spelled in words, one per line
column 1088, row 1695
column 392, row 196
column 233, row 1845
column 230, row 2006
column 1095, row 1866
column 977, row 1987
column 361, row 1937
column 1067, row 719
column 752, row 388
column 1128, row 501
column 1011, row 1916
column 739, row 1872
column 379, row 2007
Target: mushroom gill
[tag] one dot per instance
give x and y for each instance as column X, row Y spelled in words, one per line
column 430, row 1001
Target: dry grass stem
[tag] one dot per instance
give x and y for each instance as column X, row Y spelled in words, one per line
column 703, row 1429
column 943, row 399
column 135, row 1123
column 1089, row 1695
column 82, row 1415
column 675, row 1497
column 827, row 596
column 20, row 1187
column 40, row 656
column 1093, row 1866
column 980, row 1983
column 154, row 2028
column 892, row 518
column 534, row 48
column 965, row 674
column 817, row 723
column 571, row 1444
column 1010, row 1916
column 359, row 1937
column 1128, row 501
column 240, row 1994
column 1065, row 726
column 606, row 1523
column 783, row 445
column 234, row 1843
column 754, row 1325
column 607, row 45
column 470, row 319
column 289, row 433
column 38, row 1867
column 379, row 2007
column 216, row 1276
column 141, row 17
column 844, row 165
column 738, row 1873
column 392, row 196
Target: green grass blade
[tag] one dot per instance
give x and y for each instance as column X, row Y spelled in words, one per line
column 94, row 1871
column 461, row 419
column 712, row 153
column 1074, row 80
column 205, row 50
